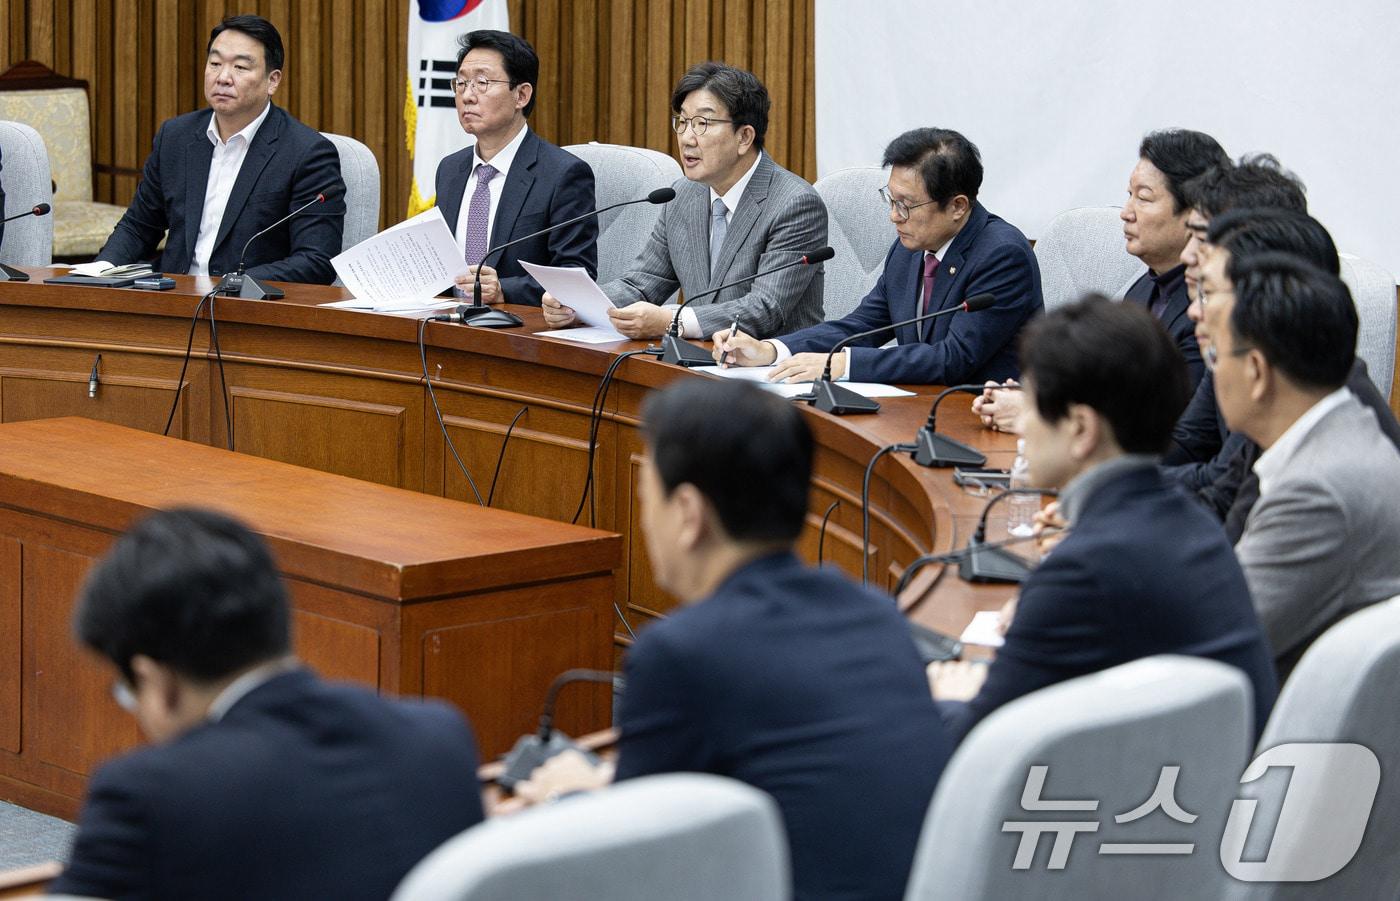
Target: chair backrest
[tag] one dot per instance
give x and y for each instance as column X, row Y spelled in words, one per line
column 1108, row 740
column 1083, row 250
column 1373, row 290
column 57, row 108
column 678, row 837
column 624, row 173
column 25, row 176
column 360, row 170
column 859, row 230
column 1342, row 690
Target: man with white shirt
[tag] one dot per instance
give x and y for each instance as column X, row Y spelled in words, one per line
column 511, row 183
column 217, row 177
column 1321, row 540
column 263, row 780
column 736, row 213
column 950, row 248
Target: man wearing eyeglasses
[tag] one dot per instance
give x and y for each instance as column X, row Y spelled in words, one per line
column 736, row 213
column 949, row 248
column 510, row 183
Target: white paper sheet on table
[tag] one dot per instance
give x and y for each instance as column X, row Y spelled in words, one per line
column 586, row 335
column 417, row 258
column 983, row 630
column 396, row 305
column 572, row 286
column 759, row 375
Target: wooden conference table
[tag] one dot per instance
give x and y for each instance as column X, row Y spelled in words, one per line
column 342, row 392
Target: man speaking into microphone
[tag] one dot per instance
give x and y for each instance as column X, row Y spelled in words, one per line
column 949, row 249
column 217, row 177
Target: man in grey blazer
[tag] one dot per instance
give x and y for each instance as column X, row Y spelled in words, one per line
column 736, row 213
column 1321, row 541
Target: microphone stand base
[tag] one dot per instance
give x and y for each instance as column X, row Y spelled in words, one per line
column 237, row 284
column 830, row 397
column 683, row 353
column 934, row 449
column 483, row 316
column 11, row 274
column 531, row 751
column 992, row 565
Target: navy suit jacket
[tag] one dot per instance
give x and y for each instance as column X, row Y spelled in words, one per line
column 305, row 789
column 1143, row 571
column 804, row 685
column 545, row 185
column 1174, row 319
column 989, row 254
column 287, row 165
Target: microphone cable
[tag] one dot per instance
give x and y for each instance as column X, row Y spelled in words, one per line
column 865, row 507
column 595, row 419
column 501, row 457
column 432, row 395
column 185, row 364
column 821, row 533
column 223, row 383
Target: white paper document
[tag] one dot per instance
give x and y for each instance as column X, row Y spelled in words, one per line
column 759, row 375
column 586, row 335
column 396, row 305
column 416, row 259
column 571, row 286
column 983, row 630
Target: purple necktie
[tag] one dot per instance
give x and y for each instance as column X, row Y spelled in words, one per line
column 930, row 267
column 479, row 214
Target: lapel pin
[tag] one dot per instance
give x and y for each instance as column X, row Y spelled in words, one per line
column 952, row 270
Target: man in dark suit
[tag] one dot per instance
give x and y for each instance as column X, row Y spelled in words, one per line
column 949, row 249
column 217, row 177
column 1144, row 570
column 511, row 182
column 789, row 678
column 264, row 782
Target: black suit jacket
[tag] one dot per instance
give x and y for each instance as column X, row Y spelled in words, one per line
column 808, row 687
column 305, row 789
column 1174, row 319
column 1143, row 571
column 287, row 165
column 545, row 185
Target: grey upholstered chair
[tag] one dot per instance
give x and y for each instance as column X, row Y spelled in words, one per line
column 28, row 241
column 859, row 230
column 624, row 173
column 360, row 170
column 1342, row 690
column 682, row 837
column 1102, row 738
column 1083, row 250
column 1373, row 290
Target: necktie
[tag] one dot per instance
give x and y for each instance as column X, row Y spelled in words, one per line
column 479, row 214
column 930, row 267
column 1157, row 303
column 718, row 227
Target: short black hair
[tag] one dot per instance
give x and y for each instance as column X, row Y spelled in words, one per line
column 1181, row 155
column 190, row 588
column 1300, row 318
column 1258, row 181
column 521, row 63
column 742, row 94
column 948, row 162
column 1246, row 232
column 748, row 451
column 1113, row 357
column 260, row 30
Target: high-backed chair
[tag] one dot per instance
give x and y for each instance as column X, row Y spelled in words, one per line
column 360, row 170
column 859, row 230
column 57, row 108
column 1103, row 741
column 25, row 176
column 1342, row 690
column 682, row 837
column 1083, row 250
column 1373, row 290
column 624, row 173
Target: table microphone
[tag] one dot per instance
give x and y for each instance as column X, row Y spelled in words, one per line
column 503, row 319
column 533, row 750
column 989, row 563
column 237, row 284
column 9, row 273
column 933, row 449
column 830, row 397
column 683, row 353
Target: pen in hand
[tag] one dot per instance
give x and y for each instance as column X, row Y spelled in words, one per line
column 724, row 357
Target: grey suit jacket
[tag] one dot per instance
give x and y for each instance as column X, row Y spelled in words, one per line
column 780, row 218
column 1324, row 540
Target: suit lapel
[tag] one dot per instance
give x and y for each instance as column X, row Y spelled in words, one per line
column 950, row 273
column 450, row 200
column 199, row 156
column 743, row 219
column 1176, row 308
column 519, row 181
column 259, row 153
column 905, row 301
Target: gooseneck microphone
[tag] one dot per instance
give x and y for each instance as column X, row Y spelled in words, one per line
column 9, row 273
column 830, row 397
column 476, row 313
column 237, row 284
column 933, row 449
column 989, row 563
column 531, row 751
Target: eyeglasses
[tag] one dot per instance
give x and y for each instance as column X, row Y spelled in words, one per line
column 477, row 85
column 123, row 695
column 1211, row 355
column 901, row 208
column 698, row 124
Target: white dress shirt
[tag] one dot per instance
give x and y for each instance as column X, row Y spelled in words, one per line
column 690, row 323
column 223, row 172
column 1272, row 461
column 239, row 688
column 501, row 162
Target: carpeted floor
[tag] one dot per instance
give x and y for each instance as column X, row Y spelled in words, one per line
column 27, row 838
